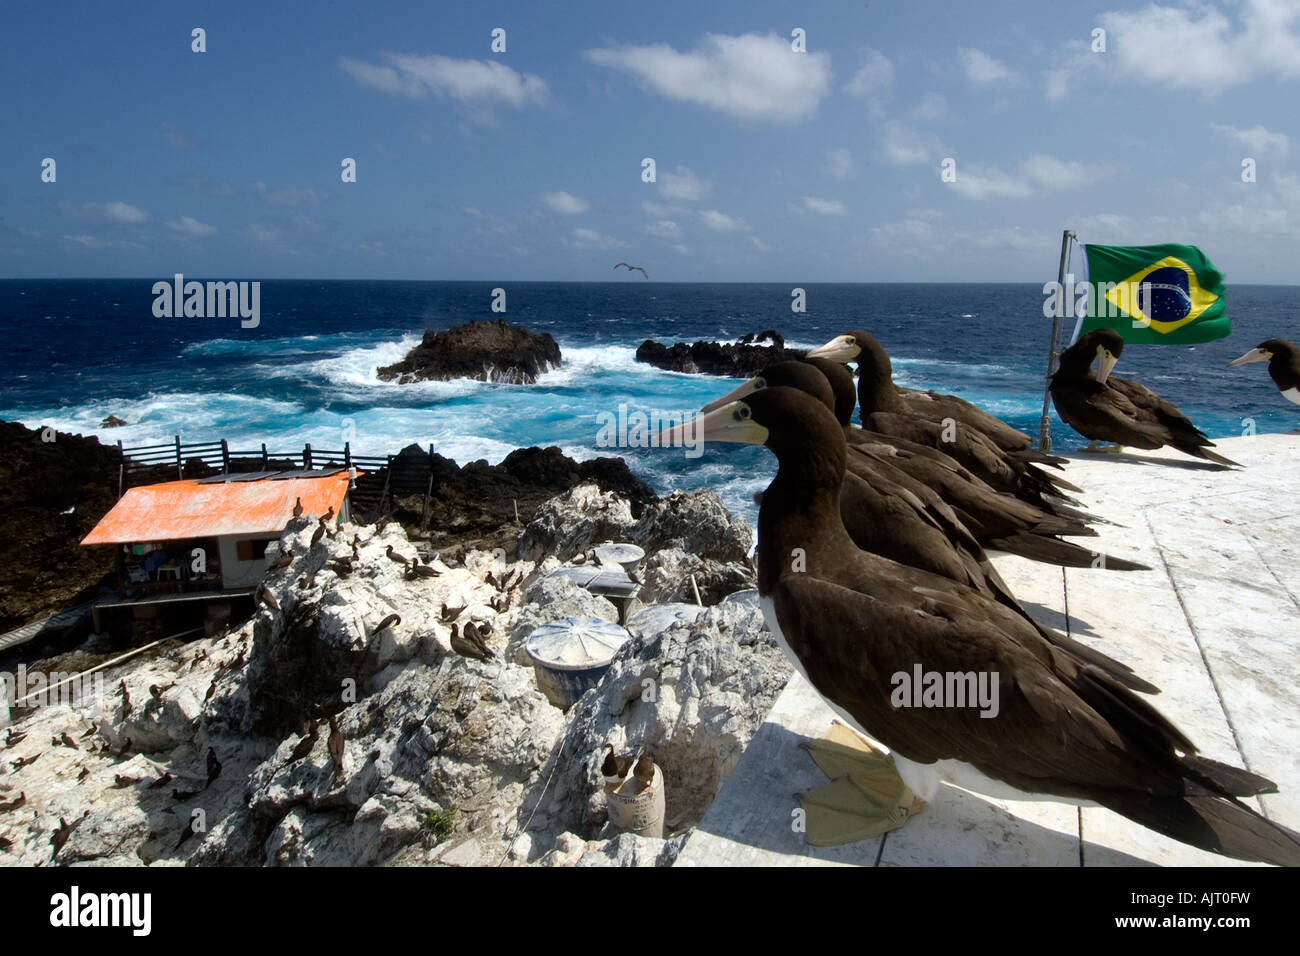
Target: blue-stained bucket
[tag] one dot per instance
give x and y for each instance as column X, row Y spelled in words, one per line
column 571, row 655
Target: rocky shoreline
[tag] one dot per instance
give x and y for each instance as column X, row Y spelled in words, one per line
column 729, row 360
column 486, row 351
column 442, row 759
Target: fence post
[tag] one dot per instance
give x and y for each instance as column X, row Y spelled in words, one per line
column 306, row 456
column 225, row 457
column 180, row 466
column 265, row 462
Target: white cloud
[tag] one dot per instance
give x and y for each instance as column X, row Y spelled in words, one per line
column 759, row 244
column 1052, row 174
column 263, row 235
column 90, row 242
column 827, row 207
column 178, row 138
column 873, row 82
column 721, row 222
column 919, row 231
column 288, row 196
column 1036, row 175
column 190, row 228
column 566, row 203
column 584, row 238
column 659, row 211
column 477, row 83
column 981, row 69
column 905, row 146
column 988, row 182
column 1257, row 139
column 664, row 229
column 683, row 185
column 1201, row 49
column 930, row 106
column 750, row 77
column 115, row 212
column 839, row 163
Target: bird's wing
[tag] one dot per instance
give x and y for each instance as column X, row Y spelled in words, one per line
column 1061, row 727
column 1152, row 407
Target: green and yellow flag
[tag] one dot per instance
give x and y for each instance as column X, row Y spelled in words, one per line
column 1154, row 295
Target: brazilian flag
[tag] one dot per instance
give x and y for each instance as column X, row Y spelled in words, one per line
column 1154, row 295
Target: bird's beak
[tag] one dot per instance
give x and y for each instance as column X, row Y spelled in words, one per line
column 1254, row 355
column 838, row 349
column 736, row 394
column 1105, row 363
column 732, row 422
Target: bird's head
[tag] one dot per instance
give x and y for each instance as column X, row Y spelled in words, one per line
column 1263, row 352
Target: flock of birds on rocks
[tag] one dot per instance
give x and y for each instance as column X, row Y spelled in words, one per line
column 872, row 561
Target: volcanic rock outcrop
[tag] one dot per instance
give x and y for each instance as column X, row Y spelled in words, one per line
column 487, row 351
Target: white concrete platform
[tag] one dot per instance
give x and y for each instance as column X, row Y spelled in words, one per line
column 1215, row 624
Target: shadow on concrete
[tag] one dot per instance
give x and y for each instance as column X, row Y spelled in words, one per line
column 750, row 823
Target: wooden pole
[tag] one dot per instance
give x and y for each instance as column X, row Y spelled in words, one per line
column 1045, row 426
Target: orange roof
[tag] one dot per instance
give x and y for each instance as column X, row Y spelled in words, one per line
column 188, row 509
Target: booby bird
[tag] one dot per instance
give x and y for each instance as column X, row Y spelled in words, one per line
column 997, row 521
column 1104, row 407
column 283, row 561
column 863, row 348
column 889, row 514
column 631, row 268
column 644, row 771
column 297, row 508
column 391, row 620
column 614, row 768
column 468, row 642
column 1283, row 360
column 944, row 427
column 336, row 744
column 398, row 557
column 1061, row 730
column 214, row 766
column 267, row 597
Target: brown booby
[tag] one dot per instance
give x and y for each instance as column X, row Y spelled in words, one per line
column 469, row 642
column 863, row 348
column 889, row 514
column 283, row 561
column 644, row 771
column 397, row 556
column 997, row 521
column 337, row 744
column 1283, row 360
column 1104, row 407
column 214, row 766
column 614, row 768
column 297, row 508
column 1061, row 730
column 943, row 425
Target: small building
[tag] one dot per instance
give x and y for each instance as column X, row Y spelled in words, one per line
column 194, row 551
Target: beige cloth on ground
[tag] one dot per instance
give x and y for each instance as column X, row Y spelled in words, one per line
column 865, row 797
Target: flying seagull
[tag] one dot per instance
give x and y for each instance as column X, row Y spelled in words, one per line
column 630, row 268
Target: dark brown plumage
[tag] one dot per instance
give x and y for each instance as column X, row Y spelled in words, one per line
column 391, row 621
column 191, row 828
column 61, row 835
column 66, row 739
column 214, row 766
column 13, row 737
column 24, row 761
column 644, row 771
column 329, row 515
column 318, row 533
column 306, row 745
column 470, row 643
column 15, row 803
column 267, row 597
column 162, row 781
column 1283, row 360
column 297, row 508
column 614, row 768
column 397, row 556
column 1064, row 728
column 1103, row 407
column 280, row 563
column 336, row 744
column 422, row 571
column 450, row 614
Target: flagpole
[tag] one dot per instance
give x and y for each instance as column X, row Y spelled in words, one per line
column 1045, row 426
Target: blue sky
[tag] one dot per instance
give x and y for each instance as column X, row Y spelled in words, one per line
column 771, row 164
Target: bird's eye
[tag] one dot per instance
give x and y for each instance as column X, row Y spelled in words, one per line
column 849, row 340
column 742, row 413
column 760, row 383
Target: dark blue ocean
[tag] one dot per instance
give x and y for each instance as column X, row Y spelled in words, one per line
column 78, row 351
